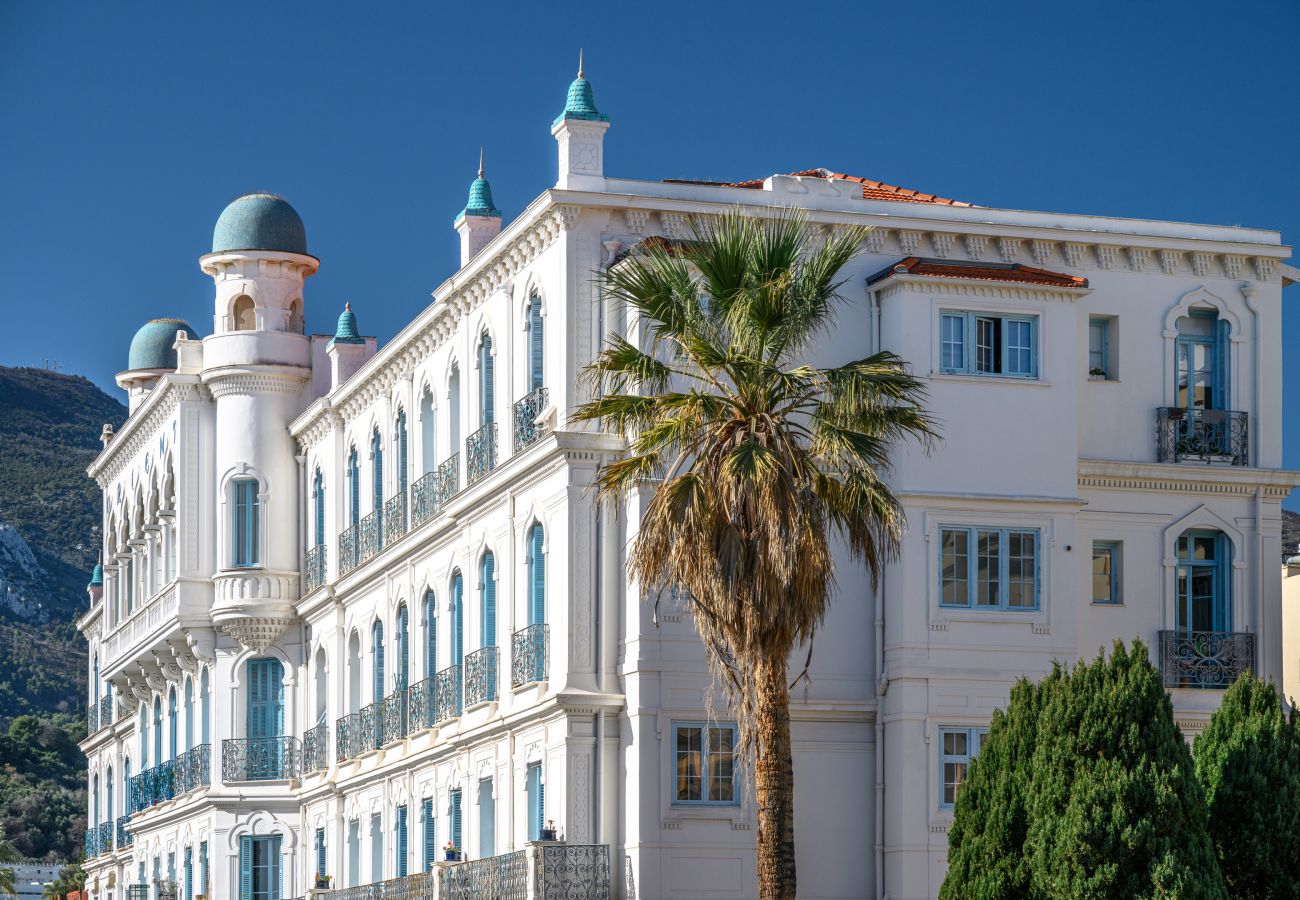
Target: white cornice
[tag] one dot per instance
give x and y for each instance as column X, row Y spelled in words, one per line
column 974, row 287
column 142, row 425
column 1181, row 477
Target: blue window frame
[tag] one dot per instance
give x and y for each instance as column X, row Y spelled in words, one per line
column 1105, row 572
column 988, row 344
column 430, row 635
column 536, row 575
column 486, row 382
column 376, row 847
column 259, row 868
column 377, row 655
column 1203, row 581
column 265, row 697
column 204, row 695
column 402, row 848
column 488, row 596
column 988, row 568
column 1099, row 347
column 320, row 852
column 173, row 724
column 354, row 488
column 189, row 713
column 189, row 873
column 429, row 828
column 157, row 731
column 377, row 472
column 203, row 868
column 534, row 789
column 535, row 343
column 704, row 764
column 403, row 648
column 318, row 492
column 457, row 619
column 487, row 819
column 354, row 852
column 144, row 738
column 244, row 522
column 401, row 451
column 957, row 747
column 1201, row 361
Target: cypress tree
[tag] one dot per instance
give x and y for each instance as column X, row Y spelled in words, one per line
column 1248, row 762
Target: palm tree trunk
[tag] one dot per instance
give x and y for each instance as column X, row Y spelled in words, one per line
column 774, row 781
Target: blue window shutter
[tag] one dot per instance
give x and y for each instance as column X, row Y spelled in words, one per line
column 320, row 508
column 189, row 713
column 487, row 820
column 203, row 867
column 430, row 635
column 531, row 788
column 378, row 647
column 430, row 839
column 354, row 487
column 485, row 373
column 402, row 857
column 377, row 470
column 144, row 739
column 535, row 343
column 320, row 851
column 457, row 620
column 245, row 868
column 203, row 705
column 401, row 450
column 276, row 870
column 157, row 731
column 455, row 819
column 489, row 623
column 403, row 648
column 537, row 608
column 173, row 724
column 541, row 802
column 189, row 873
column 1221, row 368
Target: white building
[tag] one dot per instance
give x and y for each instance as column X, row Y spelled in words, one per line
column 360, row 601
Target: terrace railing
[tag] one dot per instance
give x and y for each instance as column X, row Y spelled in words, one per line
column 394, row 518
column 124, row 837
column 448, row 479
column 424, row 499
column 349, row 549
column 1205, row 659
column 1202, row 435
column 419, row 705
column 313, row 569
column 527, row 428
column 192, row 769
column 395, row 723
column 372, row 537
column 348, row 742
column 447, row 694
column 315, row 748
column 261, row 759
column 529, row 649
column 481, row 453
column 481, row 676
column 503, row 877
column 372, row 725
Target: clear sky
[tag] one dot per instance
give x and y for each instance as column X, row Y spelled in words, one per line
column 126, row 127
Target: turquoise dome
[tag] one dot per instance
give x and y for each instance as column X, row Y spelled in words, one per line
column 259, row 222
column 151, row 348
column 346, row 332
column 581, row 103
column 480, row 199
column 96, row 577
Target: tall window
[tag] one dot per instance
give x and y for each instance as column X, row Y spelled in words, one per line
column 259, row 868
column 203, row 868
column 403, row 648
column 189, row 873
column 486, row 381
column 242, row 313
column 535, row 343
column 1099, row 347
column 377, row 471
column 428, row 434
column 157, row 731
column 958, row 746
column 536, row 575
column 376, row 848
column 94, row 794
column 401, row 452
column 108, row 794
column 172, row 724
column 487, row 819
column 429, row 834
column 430, row 635
column 265, row 697
column 320, row 852
column 1105, row 572
column 318, row 493
column 1201, row 361
column 354, row 488
column 453, row 408
column 189, row 713
column 457, row 619
column 981, row 344
column 402, row 848
column 377, row 654
column 704, row 757
column 204, row 704
column 244, row 522
column 144, row 738
column 536, row 801
column 455, row 819
column 322, row 697
column 354, row 852
column 1203, row 585
column 488, row 597
column 988, row 568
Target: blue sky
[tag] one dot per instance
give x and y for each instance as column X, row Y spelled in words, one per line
column 125, row 128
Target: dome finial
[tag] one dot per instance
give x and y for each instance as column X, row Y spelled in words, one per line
column 480, row 162
column 346, row 331
column 580, row 75
column 581, row 100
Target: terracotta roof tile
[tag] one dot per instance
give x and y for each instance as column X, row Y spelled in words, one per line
column 1011, row 272
column 871, row 190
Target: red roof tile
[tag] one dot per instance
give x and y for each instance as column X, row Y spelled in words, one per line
column 871, row 190
column 1013, row 272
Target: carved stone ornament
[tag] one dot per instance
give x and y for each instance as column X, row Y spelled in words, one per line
column 637, row 220
column 909, row 241
column 256, row 634
column 976, row 246
column 1042, row 251
column 1008, row 248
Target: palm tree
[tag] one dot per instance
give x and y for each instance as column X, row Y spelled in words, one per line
column 8, row 854
column 755, row 456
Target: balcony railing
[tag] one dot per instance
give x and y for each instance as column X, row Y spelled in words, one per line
column 349, row 550
column 105, row 839
column 527, row 429
column 395, row 719
column 315, row 748
column 105, row 711
column 529, row 655
column 503, row 877
column 124, row 837
column 347, row 739
column 419, row 705
column 261, row 759
column 448, row 479
column 481, row 453
column 1202, row 435
column 481, row 676
column 446, row 694
column 417, row 886
column 92, row 718
column 192, row 769
column 151, row 787
column 372, row 537
column 1205, row 659
column 313, row 568
column 424, row 499
column 394, row 518
column 372, row 725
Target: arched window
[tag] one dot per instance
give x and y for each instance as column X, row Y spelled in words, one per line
column 486, row 381
column 430, row 635
column 144, row 738
column 242, row 315
column 403, row 648
column 354, row 488
column 457, row 619
column 157, row 731
column 428, row 434
column 189, row 713
column 204, row 705
column 488, row 600
column 401, row 452
column 377, row 470
column 322, row 689
column 244, row 526
column 172, row 724
column 377, row 655
column 536, row 344
column 354, row 673
column 536, row 575
column 265, row 678
column 1203, row 582
column 126, row 787
column 453, row 409
column 95, row 795
column 296, row 324
column 94, row 685
column 318, row 493
column 108, row 794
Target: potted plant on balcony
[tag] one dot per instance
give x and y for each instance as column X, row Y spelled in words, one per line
column 548, row 833
column 1096, row 374
column 322, row 882
column 452, row 852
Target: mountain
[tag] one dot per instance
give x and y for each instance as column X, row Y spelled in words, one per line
column 1290, row 533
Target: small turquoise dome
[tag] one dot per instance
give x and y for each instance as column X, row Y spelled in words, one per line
column 96, row 577
column 259, row 222
column 581, row 102
column 480, row 197
column 346, row 332
column 151, row 348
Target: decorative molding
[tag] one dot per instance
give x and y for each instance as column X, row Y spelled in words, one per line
column 1169, row 260
column 247, row 384
column 1234, row 265
column 1008, row 248
column 1042, row 251
column 1138, row 258
column 1158, row 485
column 976, row 246
column 1074, row 252
column 637, row 220
column 1201, row 262
column 674, row 225
column 942, row 242
column 1107, row 255
column 875, row 240
column 1265, row 266
column 909, row 241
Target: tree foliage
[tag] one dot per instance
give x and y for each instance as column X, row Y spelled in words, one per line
column 1109, row 806
column 1248, row 762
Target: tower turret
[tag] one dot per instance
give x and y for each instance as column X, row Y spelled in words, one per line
column 152, row 355
column 480, row 221
column 580, row 133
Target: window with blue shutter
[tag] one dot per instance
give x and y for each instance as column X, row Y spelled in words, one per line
column 486, row 382
column 429, row 834
column 457, row 619
column 319, row 494
column 536, row 576
column 246, row 868
column 189, row 713
column 377, row 471
column 144, row 739
column 403, row 868
column 455, row 819
column 189, row 873
column 535, row 343
column 157, row 731
column 487, row 820
column 173, row 723
column 244, row 522
column 354, row 489
column 203, row 868
column 984, row 344
column 401, row 451
column 488, row 593
column 430, row 635
column 354, row 852
column 376, row 848
column 536, row 805
column 377, row 653
column 204, row 693
column 320, row 852
column 403, row 648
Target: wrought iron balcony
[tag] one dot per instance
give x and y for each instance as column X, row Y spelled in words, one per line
column 261, row 759
column 419, row 705
column 349, row 549
column 481, row 453
column 416, row 886
column 105, row 838
column 540, row 872
column 313, row 568
column 481, row 676
column 504, row 876
column 394, row 518
column 124, row 837
column 315, row 748
column 193, row 769
column 1202, row 435
column 92, row 843
column 395, row 719
column 527, row 429
column 92, row 718
column 151, row 787
column 447, row 694
column 1205, row 659
column 372, row 537
column 372, row 725
column 529, row 655
column 424, row 499
column 448, row 479
column 347, row 738
column 106, row 711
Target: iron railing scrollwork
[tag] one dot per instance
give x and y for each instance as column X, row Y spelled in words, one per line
column 416, row 886
column 349, row 550
column 151, row 787
column 347, row 740
column 448, row 479
column 419, row 705
column 1205, row 659
column 92, row 718
column 105, row 839
column 261, row 759
column 394, row 518
column 315, row 748
column 372, row 537
column 481, row 676
column 105, row 711
column 572, row 872
column 528, row 655
column 481, row 453
column 527, row 428
column 372, row 725
column 447, row 694
column 192, row 769
column 395, row 725
column 424, row 499
column 503, row 877
column 124, row 837
column 1204, row 435
column 313, row 569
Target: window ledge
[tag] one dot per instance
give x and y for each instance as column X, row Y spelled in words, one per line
column 961, row 378
column 949, row 615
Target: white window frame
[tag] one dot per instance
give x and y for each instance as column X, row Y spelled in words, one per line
column 1115, row 550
